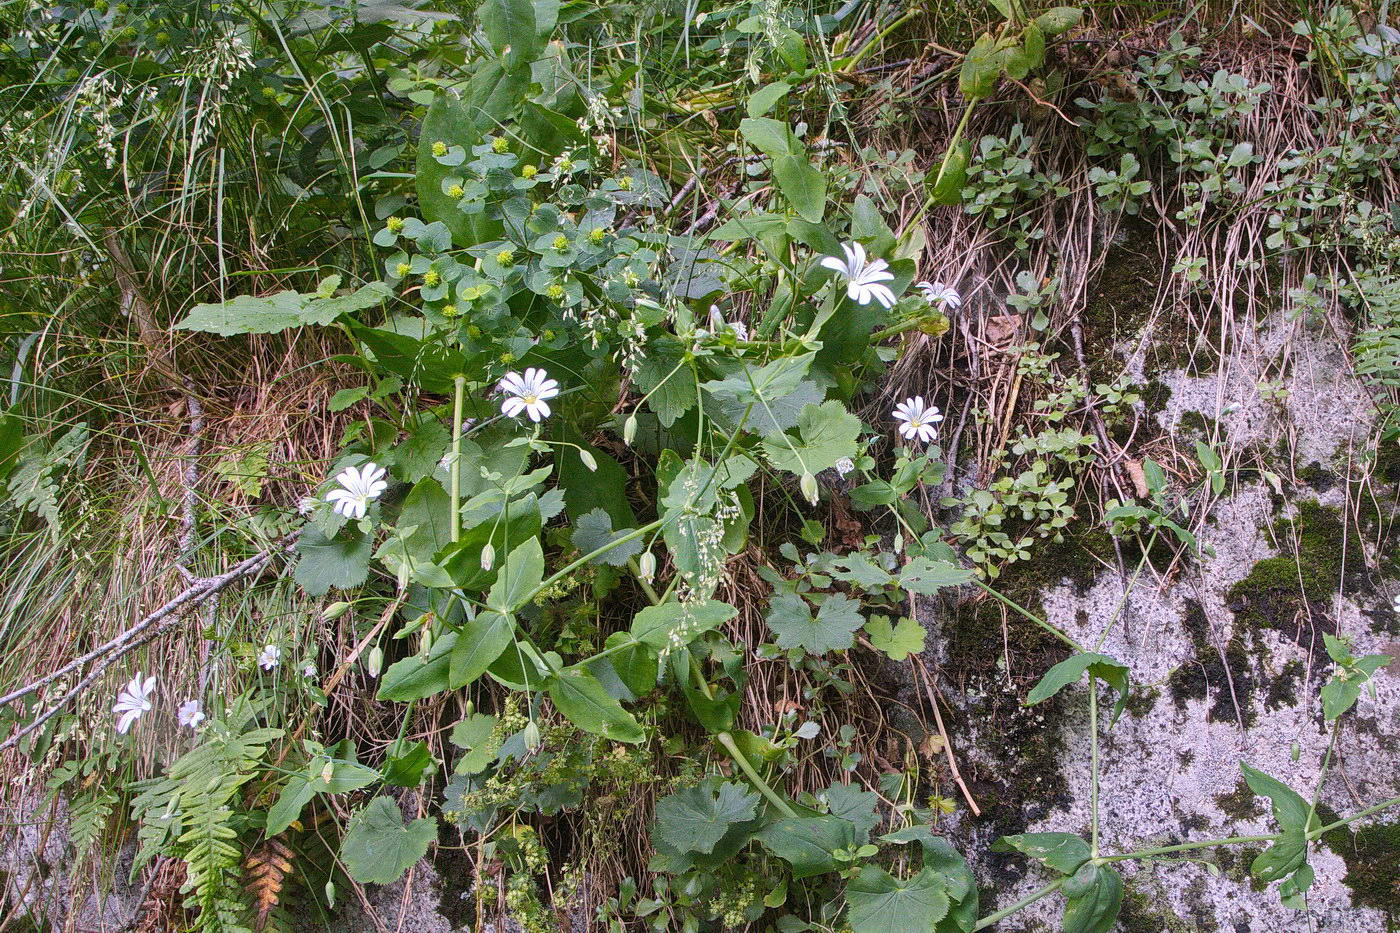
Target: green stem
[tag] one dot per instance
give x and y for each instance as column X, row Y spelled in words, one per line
column 458, row 397
column 1030, row 615
column 1023, row 903
column 1358, row 815
column 1093, row 767
column 1188, row 846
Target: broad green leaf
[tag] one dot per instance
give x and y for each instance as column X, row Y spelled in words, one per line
column 880, row 903
column 636, row 664
column 1059, row 19
column 831, row 629
column 584, row 701
column 274, row 313
column 520, row 575
column 295, row 795
column 1295, row 818
column 378, row 847
column 510, row 28
column 807, row 843
column 766, row 98
column 416, row 677
column 1094, row 895
column 1071, row 669
column 479, row 644
column 895, row 641
column 696, row 818
column 980, row 69
column 803, row 184
column 672, row 625
column 593, row 530
column 926, row 577
column 474, row 735
column 462, row 560
column 947, row 863
column 667, row 384
column 770, row 137
column 826, row 434
column 1064, row 852
column 1290, row 809
column 405, row 768
column 341, row 562
column 948, row 185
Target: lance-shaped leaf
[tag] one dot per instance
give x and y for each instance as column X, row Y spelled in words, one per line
column 1072, row 668
column 1094, row 895
column 584, row 701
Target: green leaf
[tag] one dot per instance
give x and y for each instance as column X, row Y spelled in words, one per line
column 1290, row 809
column 896, row 641
column 1068, row 671
column 980, row 69
column 474, row 734
column 807, row 843
column 405, row 768
column 827, row 433
column 416, row 677
column 636, row 664
column 1289, row 854
column 926, row 577
column 831, row 629
column 275, row 313
column 593, row 530
column 880, row 903
column 1059, row 19
column 671, row 625
column 295, row 795
column 1094, row 895
column 479, row 644
column 520, row 576
column 770, row 137
column 767, row 97
column 462, row 560
column 378, row 848
column 696, row 819
column 581, row 699
column 510, row 28
column 952, row 177
column 341, row 562
column 803, row 184
column 347, row 397
column 668, row 384
column 1064, row 852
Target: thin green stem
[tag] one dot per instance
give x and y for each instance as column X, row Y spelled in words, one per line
column 1093, row 767
column 1188, row 846
column 1022, row 904
column 1030, row 615
column 459, row 385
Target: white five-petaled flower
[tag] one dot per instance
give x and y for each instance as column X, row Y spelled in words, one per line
column 864, row 280
column 190, row 713
column 270, row 657
column 917, row 420
column 358, row 487
column 936, row 293
column 528, row 393
column 845, row 465
column 133, row 700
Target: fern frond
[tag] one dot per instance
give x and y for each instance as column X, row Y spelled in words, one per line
column 267, row 869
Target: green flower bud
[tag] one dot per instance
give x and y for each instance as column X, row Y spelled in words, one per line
column 555, row 292
column 488, row 557
column 432, row 278
column 528, row 171
column 506, row 256
column 402, row 269
column 588, row 460
column 809, row 487
column 629, row 430
column 500, row 144
column 596, row 235
column 375, row 663
column 450, row 310
column 456, row 191
column 395, row 224
column 439, row 148
column 335, row 610
column 561, row 242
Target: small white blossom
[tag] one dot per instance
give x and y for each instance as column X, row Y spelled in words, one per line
column 808, row 730
column 845, row 465
column 309, row 670
column 528, row 393
column 190, row 714
column 358, row 487
column 306, row 505
column 864, row 280
column 133, row 700
column 917, row 420
column 270, row 657
column 936, row 293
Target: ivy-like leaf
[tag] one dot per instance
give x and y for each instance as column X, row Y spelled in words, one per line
column 827, row 433
column 896, row 641
column 696, row 819
column 831, row 629
column 880, row 903
column 378, row 848
column 340, row 562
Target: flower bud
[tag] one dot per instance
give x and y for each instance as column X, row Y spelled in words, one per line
column 587, row 459
column 532, row 735
column 328, row 772
column 809, row 487
column 629, row 430
column 335, row 610
column 488, row 557
column 646, row 567
column 376, row 661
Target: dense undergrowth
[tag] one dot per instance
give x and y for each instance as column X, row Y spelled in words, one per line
column 559, row 423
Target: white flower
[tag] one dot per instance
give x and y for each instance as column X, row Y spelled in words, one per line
column 528, row 393
column 845, row 465
column 359, row 486
column 917, row 420
column 190, row 713
column 309, row 670
column 134, row 699
column 864, row 281
column 808, row 730
column 270, row 657
column 936, row 293
column 717, row 322
column 306, row 505
column 1395, row 603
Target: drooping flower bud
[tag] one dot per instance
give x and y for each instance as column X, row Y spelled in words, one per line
column 646, row 567
column 588, row 460
column 629, row 430
column 809, row 487
column 488, row 557
column 335, row 610
column 375, row 662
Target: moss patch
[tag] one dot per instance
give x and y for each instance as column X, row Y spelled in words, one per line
column 1284, row 592
column 1227, row 677
column 1372, row 857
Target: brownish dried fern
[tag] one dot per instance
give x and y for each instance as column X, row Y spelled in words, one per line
column 267, row 867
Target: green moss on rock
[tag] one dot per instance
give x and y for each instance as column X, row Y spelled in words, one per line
column 1372, row 857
